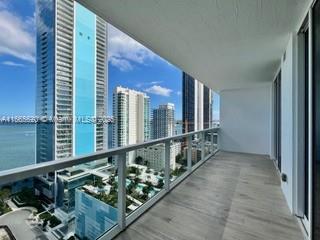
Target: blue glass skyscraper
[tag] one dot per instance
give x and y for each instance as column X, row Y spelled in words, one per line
column 71, row 79
column 45, row 11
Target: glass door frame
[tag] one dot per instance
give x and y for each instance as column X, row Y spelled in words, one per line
column 277, row 119
column 303, row 127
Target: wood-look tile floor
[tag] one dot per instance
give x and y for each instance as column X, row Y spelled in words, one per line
column 232, row 196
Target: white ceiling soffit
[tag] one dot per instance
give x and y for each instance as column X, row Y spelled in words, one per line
column 223, row 43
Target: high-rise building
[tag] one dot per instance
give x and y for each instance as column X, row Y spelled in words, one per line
column 196, row 104
column 178, row 127
column 163, row 124
column 188, row 105
column 207, row 106
column 71, row 79
column 131, row 112
column 110, row 126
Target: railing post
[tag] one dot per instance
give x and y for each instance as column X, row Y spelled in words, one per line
column 212, row 142
column 189, row 153
column 203, row 135
column 121, row 162
column 167, row 166
column 218, row 143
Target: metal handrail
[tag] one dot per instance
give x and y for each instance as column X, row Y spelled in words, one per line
column 16, row 174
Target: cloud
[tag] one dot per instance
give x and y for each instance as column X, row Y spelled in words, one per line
column 124, row 51
column 158, row 90
column 155, row 82
column 141, row 84
column 16, row 38
column 123, row 64
column 179, row 93
column 3, row 4
column 12, row 64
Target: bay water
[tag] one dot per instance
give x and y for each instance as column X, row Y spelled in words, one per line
column 17, row 145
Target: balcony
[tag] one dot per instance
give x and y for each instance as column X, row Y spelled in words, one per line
column 256, row 176
column 224, row 195
column 231, row 196
column 69, row 195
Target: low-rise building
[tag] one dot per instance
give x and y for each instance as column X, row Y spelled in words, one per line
column 154, row 156
column 93, row 217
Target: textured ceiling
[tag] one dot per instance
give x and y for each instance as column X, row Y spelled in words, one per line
column 223, row 43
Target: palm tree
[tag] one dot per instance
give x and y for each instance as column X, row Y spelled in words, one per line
column 139, row 160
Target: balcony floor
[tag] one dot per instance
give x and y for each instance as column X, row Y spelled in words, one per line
column 232, row 197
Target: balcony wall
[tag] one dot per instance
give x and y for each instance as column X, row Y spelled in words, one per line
column 245, row 116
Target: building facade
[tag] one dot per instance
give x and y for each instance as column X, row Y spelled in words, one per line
column 188, row 104
column 154, row 156
column 110, row 127
column 163, row 123
column 208, row 106
column 71, row 80
column 178, row 127
column 131, row 112
column 196, row 104
column 94, row 217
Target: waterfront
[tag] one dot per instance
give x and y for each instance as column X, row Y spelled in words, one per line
column 17, row 145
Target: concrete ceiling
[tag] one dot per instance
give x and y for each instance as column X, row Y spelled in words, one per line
column 223, row 43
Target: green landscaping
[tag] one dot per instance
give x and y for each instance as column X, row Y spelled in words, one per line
column 133, row 170
column 4, row 209
column 178, row 171
column 96, row 182
column 111, row 198
column 4, row 195
column 181, row 160
column 49, row 218
column 139, row 160
column 133, row 189
column 160, row 183
column 26, row 198
column 141, row 198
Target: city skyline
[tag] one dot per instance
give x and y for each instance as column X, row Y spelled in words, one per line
column 130, row 65
column 74, row 81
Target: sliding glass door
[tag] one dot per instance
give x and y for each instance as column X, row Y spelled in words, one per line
column 306, row 124
column 316, row 121
column 302, row 131
column 277, row 119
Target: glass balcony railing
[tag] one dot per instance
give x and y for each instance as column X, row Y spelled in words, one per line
column 179, row 168
column 99, row 194
column 196, row 148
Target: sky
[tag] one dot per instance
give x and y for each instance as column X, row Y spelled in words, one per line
column 17, row 57
column 136, row 67
column 130, row 65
